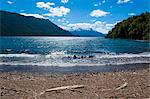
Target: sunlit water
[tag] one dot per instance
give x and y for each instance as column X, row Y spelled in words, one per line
column 72, row 51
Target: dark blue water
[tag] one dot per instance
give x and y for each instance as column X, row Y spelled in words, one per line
column 72, row 51
column 45, row 45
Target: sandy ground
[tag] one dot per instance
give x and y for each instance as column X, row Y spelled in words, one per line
column 135, row 84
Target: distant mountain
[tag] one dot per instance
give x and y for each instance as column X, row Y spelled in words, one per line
column 135, row 27
column 87, row 33
column 13, row 24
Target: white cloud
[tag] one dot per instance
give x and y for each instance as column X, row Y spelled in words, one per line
column 10, row 2
column 34, row 15
column 61, row 20
column 96, row 26
column 93, row 20
column 53, row 11
column 99, row 4
column 44, row 5
column 58, row 11
column 50, row 3
column 103, row 1
column 122, row 1
column 22, row 10
column 98, row 13
column 110, row 26
column 64, row 1
column 131, row 14
column 95, row 5
column 67, row 21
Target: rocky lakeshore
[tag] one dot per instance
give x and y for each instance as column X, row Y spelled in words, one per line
column 105, row 85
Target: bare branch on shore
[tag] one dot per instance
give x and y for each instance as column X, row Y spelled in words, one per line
column 62, row 88
column 122, row 86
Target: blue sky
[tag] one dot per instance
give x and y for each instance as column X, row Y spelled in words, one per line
column 99, row 15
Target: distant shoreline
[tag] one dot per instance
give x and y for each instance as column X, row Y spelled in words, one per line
column 71, row 36
column 38, row 35
column 46, row 36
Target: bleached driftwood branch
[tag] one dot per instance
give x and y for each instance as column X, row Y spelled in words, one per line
column 122, row 86
column 62, row 88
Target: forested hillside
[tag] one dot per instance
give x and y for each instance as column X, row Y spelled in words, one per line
column 135, row 27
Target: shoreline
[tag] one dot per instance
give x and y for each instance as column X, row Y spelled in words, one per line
column 72, row 69
column 104, row 85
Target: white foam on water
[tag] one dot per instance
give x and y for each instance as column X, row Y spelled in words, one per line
column 19, row 55
column 56, row 54
column 125, row 55
column 63, row 54
column 60, row 59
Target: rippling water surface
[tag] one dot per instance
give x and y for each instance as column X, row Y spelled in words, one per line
column 72, row 51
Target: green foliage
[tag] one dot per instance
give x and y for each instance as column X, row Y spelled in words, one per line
column 135, row 27
column 13, row 24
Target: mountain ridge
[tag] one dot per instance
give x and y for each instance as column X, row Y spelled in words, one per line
column 87, row 33
column 14, row 24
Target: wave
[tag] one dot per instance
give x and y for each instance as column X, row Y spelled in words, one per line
column 125, row 55
column 62, row 59
column 19, row 55
column 64, row 54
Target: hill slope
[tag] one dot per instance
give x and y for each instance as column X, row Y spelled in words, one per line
column 13, row 24
column 136, row 27
column 87, row 33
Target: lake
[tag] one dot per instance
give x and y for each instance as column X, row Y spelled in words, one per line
column 71, row 51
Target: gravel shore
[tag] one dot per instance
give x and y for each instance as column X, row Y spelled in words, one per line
column 123, row 84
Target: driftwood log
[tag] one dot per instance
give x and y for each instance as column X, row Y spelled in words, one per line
column 122, row 86
column 62, row 88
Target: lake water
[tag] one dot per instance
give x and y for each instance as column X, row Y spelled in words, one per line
column 72, row 51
